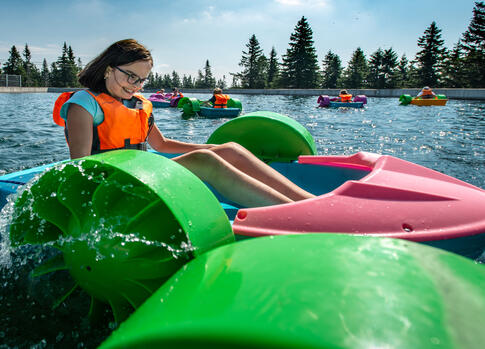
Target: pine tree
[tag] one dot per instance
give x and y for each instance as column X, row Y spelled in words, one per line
column 176, row 83
column 454, row 71
column 430, row 58
column 273, row 69
column 44, row 74
column 54, row 75
column 235, row 80
column 332, row 70
column 72, row 68
column 64, row 66
column 221, row 83
column 389, row 64
column 375, row 78
column 154, row 81
column 32, row 74
column 64, row 72
column 27, row 63
column 300, row 63
column 150, row 84
column 209, row 80
column 414, row 79
column 474, row 47
column 356, row 72
column 14, row 64
column 402, row 73
column 253, row 74
column 199, row 81
column 166, row 81
column 187, row 81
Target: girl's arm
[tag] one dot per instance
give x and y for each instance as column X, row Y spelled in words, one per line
column 80, row 131
column 165, row 145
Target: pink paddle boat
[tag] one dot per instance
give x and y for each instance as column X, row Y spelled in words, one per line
column 392, row 198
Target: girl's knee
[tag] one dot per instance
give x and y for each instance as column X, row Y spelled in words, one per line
column 230, row 147
column 204, row 157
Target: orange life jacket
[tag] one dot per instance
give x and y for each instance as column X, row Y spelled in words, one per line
column 426, row 93
column 345, row 98
column 221, row 101
column 122, row 127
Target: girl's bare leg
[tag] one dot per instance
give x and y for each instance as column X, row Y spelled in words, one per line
column 230, row 181
column 246, row 162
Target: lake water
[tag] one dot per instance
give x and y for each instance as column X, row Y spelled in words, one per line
column 449, row 139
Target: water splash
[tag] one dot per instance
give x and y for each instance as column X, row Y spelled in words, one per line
column 27, row 301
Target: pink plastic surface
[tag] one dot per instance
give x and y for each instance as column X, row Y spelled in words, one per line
column 396, row 199
column 159, row 97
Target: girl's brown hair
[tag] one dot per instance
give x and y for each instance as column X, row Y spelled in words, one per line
column 120, row 53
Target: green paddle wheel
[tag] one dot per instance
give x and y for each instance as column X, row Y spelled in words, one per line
column 125, row 221
column 314, row 291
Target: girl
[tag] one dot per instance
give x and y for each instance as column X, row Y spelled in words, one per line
column 110, row 115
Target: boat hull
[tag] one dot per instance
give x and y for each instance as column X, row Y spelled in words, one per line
column 160, row 104
column 346, row 104
column 216, row 113
column 429, row 102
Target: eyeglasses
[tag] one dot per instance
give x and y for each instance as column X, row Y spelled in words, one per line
column 132, row 78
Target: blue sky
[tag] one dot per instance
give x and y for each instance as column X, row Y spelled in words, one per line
column 183, row 34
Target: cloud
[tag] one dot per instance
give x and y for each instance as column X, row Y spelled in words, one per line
column 161, row 68
column 304, row 3
column 49, row 49
column 214, row 16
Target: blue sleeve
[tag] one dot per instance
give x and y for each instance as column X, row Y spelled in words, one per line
column 85, row 100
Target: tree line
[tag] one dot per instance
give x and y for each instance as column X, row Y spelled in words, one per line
column 434, row 65
column 62, row 73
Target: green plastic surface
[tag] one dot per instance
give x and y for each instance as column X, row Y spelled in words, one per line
column 270, row 136
column 441, row 96
column 124, row 220
column 189, row 106
column 405, row 99
column 315, row 291
column 234, row 103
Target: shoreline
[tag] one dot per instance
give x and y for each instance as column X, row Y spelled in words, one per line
column 451, row 93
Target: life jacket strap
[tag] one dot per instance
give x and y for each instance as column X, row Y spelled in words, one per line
column 137, row 146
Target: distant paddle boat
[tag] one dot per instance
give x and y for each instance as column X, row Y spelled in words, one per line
column 325, row 101
column 160, row 100
column 163, row 100
column 193, row 107
column 438, row 100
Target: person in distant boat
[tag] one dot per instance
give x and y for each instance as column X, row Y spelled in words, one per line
column 161, row 91
column 426, row 93
column 176, row 93
column 110, row 114
column 345, row 96
column 218, row 100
